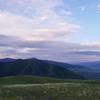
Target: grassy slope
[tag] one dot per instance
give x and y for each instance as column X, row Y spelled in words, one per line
column 27, row 80
column 39, row 80
column 75, row 90
column 52, row 92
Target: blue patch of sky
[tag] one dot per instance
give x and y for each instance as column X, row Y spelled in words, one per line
column 89, row 20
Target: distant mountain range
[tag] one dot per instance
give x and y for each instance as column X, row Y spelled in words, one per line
column 36, row 67
column 87, row 70
column 7, row 60
column 93, row 65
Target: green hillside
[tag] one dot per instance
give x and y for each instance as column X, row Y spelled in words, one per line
column 28, row 80
column 39, row 80
column 30, row 88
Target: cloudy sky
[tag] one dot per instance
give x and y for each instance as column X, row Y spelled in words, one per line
column 61, row 30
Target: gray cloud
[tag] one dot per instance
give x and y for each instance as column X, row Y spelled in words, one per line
column 15, row 42
column 11, row 46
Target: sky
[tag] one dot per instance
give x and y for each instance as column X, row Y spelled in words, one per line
column 60, row 30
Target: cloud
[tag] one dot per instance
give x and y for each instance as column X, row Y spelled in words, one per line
column 34, row 28
column 83, row 8
column 51, row 50
column 42, row 23
column 9, row 41
column 16, row 42
column 98, row 8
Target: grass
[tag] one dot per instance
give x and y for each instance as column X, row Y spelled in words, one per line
column 52, row 92
column 39, row 80
column 57, row 90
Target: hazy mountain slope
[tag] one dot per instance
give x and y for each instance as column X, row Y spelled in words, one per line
column 86, row 70
column 93, row 65
column 69, row 66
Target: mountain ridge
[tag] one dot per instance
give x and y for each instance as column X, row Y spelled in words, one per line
column 35, row 67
